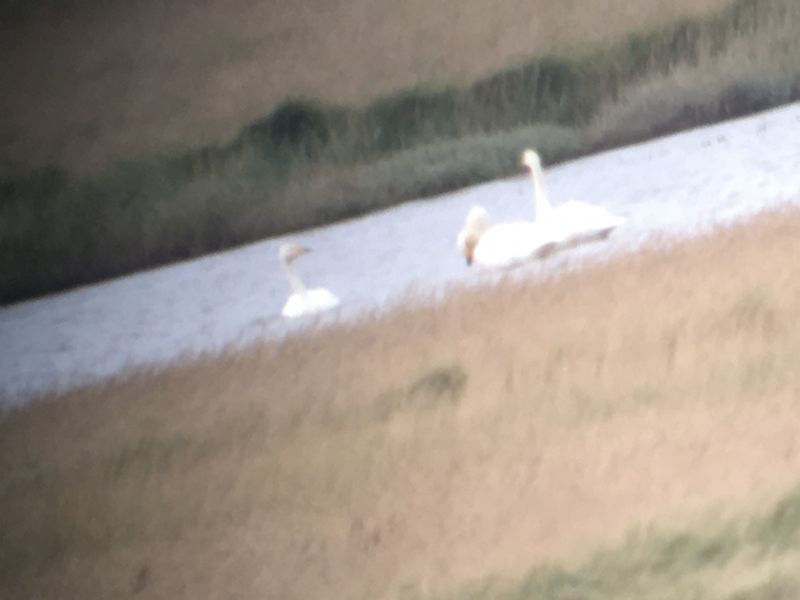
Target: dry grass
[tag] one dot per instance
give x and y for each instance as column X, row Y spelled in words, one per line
column 115, row 79
column 425, row 447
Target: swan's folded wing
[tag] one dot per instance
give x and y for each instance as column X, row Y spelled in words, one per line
column 584, row 217
column 309, row 302
column 295, row 306
column 510, row 243
column 322, row 299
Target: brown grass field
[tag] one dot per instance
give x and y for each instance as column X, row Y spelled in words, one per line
column 114, row 79
column 438, row 444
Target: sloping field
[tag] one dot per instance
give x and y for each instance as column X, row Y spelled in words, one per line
column 437, row 445
column 89, row 81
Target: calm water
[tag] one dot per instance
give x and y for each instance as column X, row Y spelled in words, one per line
column 676, row 185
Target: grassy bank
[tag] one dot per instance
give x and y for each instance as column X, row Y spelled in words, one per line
column 745, row 558
column 502, row 428
column 309, row 163
column 120, row 78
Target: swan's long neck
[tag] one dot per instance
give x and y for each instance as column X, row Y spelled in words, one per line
column 294, row 279
column 541, row 202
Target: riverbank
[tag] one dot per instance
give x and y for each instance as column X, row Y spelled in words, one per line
column 502, row 428
column 310, row 162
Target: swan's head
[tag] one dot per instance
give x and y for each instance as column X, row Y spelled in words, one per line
column 477, row 219
column 288, row 252
column 476, row 224
column 531, row 159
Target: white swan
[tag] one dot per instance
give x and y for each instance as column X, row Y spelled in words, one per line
column 576, row 222
column 502, row 245
column 303, row 301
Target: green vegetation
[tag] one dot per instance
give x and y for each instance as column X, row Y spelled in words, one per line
column 742, row 559
column 308, row 163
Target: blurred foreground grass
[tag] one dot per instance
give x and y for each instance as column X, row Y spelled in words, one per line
column 497, row 429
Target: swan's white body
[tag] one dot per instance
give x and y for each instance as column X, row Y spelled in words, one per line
column 303, row 301
column 575, row 222
column 309, row 302
column 502, row 245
